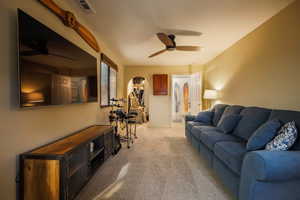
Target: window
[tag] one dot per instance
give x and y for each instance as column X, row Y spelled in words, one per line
column 108, row 83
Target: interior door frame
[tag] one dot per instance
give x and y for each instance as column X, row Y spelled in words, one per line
column 200, row 90
column 172, row 90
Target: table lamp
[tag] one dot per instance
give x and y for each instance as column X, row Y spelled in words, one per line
column 210, row 95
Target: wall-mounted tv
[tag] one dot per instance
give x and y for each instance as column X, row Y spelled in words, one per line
column 52, row 70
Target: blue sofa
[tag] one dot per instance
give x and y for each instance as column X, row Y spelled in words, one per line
column 256, row 175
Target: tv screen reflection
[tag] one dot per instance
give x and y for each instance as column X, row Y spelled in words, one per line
column 53, row 71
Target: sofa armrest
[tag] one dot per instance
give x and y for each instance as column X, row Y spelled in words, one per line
column 273, row 165
column 190, row 118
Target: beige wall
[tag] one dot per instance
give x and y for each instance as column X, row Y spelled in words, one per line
column 147, row 72
column 22, row 130
column 263, row 68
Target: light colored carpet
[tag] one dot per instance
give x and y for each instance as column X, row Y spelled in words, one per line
column 161, row 165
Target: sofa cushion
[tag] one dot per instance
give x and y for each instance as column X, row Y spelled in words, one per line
column 252, row 118
column 208, row 128
column 285, row 139
column 191, row 124
column 197, row 130
column 264, row 134
column 210, row 138
column 232, row 110
column 218, row 111
column 287, row 116
column 205, row 117
column 189, row 117
column 232, row 154
column 228, row 123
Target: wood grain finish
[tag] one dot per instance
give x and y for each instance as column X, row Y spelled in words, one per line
column 160, row 84
column 42, row 179
column 69, row 143
column 69, row 19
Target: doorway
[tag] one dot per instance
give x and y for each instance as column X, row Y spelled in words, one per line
column 186, row 96
column 137, row 98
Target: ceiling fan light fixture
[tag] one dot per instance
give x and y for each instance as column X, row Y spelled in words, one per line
column 171, row 48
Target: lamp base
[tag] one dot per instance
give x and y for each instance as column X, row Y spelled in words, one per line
column 207, row 104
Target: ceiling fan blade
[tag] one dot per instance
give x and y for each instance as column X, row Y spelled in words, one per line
column 182, row 32
column 87, row 36
column 164, row 38
column 54, row 8
column 61, row 56
column 188, row 48
column 157, row 53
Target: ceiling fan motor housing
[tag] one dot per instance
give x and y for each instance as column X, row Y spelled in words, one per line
column 173, row 47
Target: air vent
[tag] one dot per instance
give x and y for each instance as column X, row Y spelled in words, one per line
column 86, row 5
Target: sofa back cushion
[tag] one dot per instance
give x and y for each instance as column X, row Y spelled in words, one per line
column 286, row 116
column 205, row 117
column 228, row 123
column 252, row 118
column 232, row 110
column 263, row 135
column 218, row 111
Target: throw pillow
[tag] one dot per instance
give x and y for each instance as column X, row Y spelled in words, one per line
column 204, row 117
column 285, row 139
column 228, row 123
column 264, row 134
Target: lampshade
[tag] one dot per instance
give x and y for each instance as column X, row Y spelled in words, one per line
column 210, row 94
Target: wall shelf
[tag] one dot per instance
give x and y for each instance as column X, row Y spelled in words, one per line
column 96, row 153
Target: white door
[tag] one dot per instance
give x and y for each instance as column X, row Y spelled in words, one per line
column 195, row 93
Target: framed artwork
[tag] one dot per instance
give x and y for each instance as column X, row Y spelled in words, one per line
column 112, row 83
column 108, row 81
column 104, row 84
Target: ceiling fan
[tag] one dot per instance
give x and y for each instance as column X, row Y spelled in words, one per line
column 40, row 48
column 169, row 41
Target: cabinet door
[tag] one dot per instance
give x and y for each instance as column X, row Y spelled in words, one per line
column 41, row 179
column 77, row 171
column 77, row 181
column 108, row 145
column 160, row 84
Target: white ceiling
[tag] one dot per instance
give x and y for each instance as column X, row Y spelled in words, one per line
column 128, row 27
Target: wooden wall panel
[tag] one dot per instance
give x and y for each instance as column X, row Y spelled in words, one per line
column 41, row 179
column 160, row 84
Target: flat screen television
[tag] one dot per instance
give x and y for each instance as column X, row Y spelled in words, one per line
column 52, row 70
